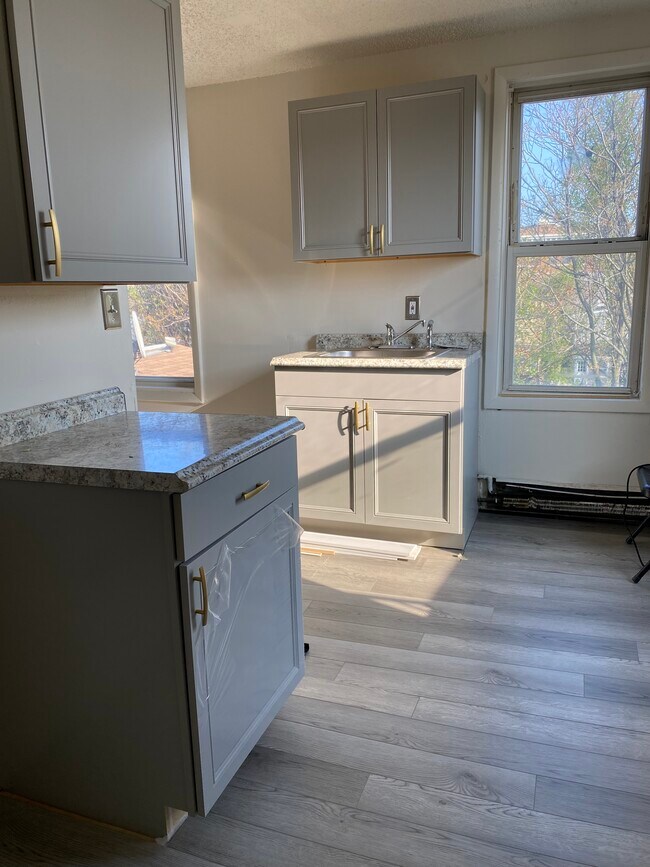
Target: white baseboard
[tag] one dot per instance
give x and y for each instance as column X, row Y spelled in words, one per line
column 324, row 543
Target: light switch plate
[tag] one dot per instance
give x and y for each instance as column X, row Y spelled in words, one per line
column 111, row 307
column 412, row 307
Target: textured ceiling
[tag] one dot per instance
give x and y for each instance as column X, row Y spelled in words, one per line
column 227, row 40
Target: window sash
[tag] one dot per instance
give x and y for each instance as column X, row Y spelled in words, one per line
column 640, row 248
column 523, row 96
column 515, row 248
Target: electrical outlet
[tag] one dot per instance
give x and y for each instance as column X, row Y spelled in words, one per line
column 412, row 307
column 111, row 308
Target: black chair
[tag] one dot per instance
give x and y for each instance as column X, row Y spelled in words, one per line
column 643, row 475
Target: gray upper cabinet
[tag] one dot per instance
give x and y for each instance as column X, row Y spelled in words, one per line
column 429, row 162
column 97, row 114
column 394, row 172
column 333, row 175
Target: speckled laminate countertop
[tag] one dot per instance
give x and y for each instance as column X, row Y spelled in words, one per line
column 150, row 451
column 452, row 359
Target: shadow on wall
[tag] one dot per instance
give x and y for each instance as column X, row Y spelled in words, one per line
column 255, row 397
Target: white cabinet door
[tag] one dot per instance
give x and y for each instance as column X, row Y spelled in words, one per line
column 330, row 469
column 333, row 175
column 429, row 156
column 246, row 656
column 412, row 465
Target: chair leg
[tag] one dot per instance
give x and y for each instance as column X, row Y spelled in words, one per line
column 638, row 530
column 642, row 571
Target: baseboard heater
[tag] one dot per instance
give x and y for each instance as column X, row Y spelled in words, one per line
column 555, row 501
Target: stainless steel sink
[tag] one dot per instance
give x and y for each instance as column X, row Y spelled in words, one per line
column 384, row 352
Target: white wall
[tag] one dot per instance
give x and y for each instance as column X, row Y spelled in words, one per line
column 256, row 302
column 53, row 345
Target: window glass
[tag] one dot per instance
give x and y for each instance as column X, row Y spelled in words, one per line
column 580, row 166
column 161, row 331
column 573, row 320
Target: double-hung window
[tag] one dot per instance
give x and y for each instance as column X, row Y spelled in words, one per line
column 577, row 245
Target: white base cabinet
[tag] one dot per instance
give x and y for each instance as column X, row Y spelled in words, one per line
column 386, row 454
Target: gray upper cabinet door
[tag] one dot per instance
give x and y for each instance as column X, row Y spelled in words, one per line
column 101, row 115
column 413, row 453
column 246, row 655
column 430, row 156
column 333, row 176
column 330, row 457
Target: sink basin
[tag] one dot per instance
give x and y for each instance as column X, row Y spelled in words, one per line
column 383, row 352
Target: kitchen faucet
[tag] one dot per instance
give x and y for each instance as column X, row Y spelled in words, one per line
column 392, row 338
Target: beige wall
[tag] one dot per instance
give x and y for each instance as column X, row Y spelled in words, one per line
column 53, row 345
column 255, row 302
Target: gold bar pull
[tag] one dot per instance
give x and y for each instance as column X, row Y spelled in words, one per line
column 371, row 239
column 367, row 410
column 53, row 224
column 356, row 416
column 248, row 495
column 382, row 235
column 204, row 596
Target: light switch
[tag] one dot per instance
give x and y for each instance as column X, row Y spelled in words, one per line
column 412, row 307
column 111, row 308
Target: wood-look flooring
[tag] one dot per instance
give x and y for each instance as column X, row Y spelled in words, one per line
column 490, row 710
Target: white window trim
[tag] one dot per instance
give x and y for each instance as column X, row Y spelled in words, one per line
column 179, row 395
column 506, row 79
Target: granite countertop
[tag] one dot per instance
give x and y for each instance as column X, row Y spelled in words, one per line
column 452, row 359
column 150, row 451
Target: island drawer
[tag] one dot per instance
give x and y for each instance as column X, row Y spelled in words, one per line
column 211, row 510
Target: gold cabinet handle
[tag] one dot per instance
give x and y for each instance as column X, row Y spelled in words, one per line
column 204, row 596
column 53, row 224
column 367, row 410
column 356, row 416
column 382, row 235
column 248, row 495
column 371, row 240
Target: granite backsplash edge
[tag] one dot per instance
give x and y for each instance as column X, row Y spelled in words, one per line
column 471, row 340
column 34, row 421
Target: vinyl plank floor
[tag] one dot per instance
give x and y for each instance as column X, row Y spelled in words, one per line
column 425, row 734
column 365, row 833
column 551, row 704
column 528, row 727
column 441, row 772
column 462, row 668
column 602, row 806
column 556, row 660
column 551, row 835
column 616, row 689
column 484, row 710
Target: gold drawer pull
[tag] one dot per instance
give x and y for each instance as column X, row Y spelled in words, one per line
column 367, row 411
column 204, row 596
column 371, row 239
column 382, row 235
column 53, row 224
column 356, row 416
column 248, row 495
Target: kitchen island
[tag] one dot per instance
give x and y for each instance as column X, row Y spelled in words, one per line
column 151, row 618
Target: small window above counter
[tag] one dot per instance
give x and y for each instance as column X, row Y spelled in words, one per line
column 388, row 173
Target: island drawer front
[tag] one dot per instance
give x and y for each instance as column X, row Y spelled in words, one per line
column 211, row 510
column 380, row 384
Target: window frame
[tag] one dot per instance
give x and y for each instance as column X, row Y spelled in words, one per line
column 562, row 78
column 182, row 391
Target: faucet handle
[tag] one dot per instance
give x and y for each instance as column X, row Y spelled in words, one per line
column 430, row 334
